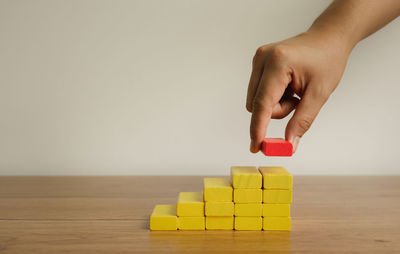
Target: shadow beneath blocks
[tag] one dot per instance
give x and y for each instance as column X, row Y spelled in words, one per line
column 217, row 241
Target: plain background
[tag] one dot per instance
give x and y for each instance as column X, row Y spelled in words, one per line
column 159, row 87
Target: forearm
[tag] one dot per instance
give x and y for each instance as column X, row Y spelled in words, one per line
column 353, row 20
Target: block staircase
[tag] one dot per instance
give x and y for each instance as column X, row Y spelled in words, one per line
column 252, row 199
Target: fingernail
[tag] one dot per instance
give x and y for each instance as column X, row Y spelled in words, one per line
column 295, row 143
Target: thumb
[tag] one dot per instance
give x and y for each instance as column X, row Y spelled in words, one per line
column 306, row 111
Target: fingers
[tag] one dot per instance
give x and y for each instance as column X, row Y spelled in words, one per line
column 269, row 92
column 306, row 111
column 284, row 107
column 258, row 126
column 256, row 73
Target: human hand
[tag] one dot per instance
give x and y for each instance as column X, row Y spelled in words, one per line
column 310, row 66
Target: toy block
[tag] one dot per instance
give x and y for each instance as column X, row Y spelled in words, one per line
column 276, row 147
column 277, row 196
column 217, row 190
column 248, row 223
column 219, row 208
column 164, row 217
column 276, row 210
column 190, row 204
column 248, row 210
column 219, row 222
column 276, row 178
column 246, row 178
column 277, row 223
column 191, row 223
column 247, row 195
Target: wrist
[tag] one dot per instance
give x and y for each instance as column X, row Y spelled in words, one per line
column 328, row 34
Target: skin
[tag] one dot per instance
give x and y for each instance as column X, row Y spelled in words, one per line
column 301, row 72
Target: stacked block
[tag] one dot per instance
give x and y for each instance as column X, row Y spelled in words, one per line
column 164, row 218
column 277, row 196
column 190, row 211
column 253, row 199
column 247, row 195
column 219, row 208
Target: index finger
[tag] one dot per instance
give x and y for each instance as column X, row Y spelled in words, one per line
column 269, row 92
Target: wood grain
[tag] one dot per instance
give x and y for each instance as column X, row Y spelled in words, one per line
column 110, row 215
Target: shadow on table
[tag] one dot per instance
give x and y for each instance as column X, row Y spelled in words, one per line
column 211, row 241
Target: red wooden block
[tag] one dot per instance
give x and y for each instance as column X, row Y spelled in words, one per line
column 276, row 147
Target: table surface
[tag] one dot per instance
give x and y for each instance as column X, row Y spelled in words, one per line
column 104, row 214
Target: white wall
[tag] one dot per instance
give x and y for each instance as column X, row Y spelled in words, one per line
column 159, row 87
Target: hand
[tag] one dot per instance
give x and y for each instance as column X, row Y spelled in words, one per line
column 310, row 66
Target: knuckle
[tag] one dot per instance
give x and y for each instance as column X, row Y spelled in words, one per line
column 258, row 103
column 304, row 124
column 321, row 92
column 260, row 51
column 258, row 55
column 278, row 53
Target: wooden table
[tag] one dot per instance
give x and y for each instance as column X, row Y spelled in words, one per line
column 110, row 215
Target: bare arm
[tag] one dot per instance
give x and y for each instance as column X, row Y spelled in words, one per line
column 309, row 65
column 356, row 19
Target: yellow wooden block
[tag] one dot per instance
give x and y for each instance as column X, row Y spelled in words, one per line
column 276, row 178
column 190, row 204
column 219, row 208
column 248, row 223
column 246, row 177
column 277, row 223
column 277, row 196
column 276, row 210
column 217, row 189
column 248, row 210
column 192, row 223
column 219, row 222
column 247, row 195
column 164, row 217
